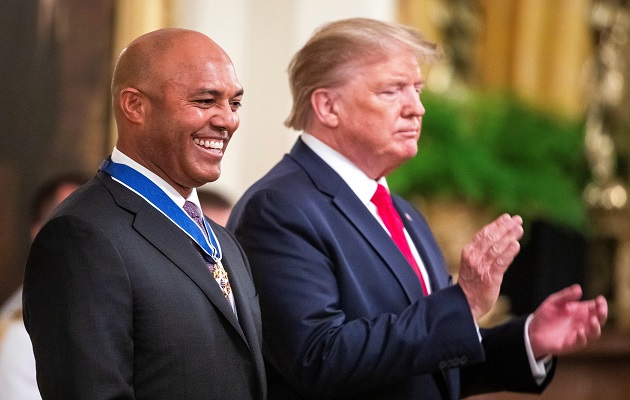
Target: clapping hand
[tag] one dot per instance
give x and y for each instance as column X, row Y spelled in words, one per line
column 485, row 260
column 563, row 323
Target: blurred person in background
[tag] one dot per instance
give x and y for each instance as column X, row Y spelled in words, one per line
column 17, row 364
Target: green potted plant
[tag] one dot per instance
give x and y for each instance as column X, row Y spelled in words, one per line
column 495, row 150
column 492, row 153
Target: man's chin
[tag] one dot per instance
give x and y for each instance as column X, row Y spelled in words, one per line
column 410, row 152
column 211, row 176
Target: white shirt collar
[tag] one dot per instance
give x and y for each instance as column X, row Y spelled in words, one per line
column 121, row 158
column 361, row 184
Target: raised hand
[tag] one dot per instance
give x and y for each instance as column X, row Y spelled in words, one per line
column 485, row 260
column 562, row 323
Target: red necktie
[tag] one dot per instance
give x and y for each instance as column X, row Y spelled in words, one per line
column 383, row 202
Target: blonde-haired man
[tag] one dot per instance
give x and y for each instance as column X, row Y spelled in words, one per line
column 355, row 297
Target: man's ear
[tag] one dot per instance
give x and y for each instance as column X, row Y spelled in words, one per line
column 325, row 107
column 133, row 104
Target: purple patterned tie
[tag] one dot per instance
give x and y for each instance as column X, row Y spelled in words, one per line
column 192, row 210
column 218, row 272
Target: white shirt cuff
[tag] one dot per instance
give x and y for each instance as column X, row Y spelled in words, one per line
column 539, row 368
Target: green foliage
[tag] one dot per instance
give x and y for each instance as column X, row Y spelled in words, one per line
column 498, row 151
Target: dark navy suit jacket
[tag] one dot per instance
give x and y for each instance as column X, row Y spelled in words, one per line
column 343, row 312
column 120, row 305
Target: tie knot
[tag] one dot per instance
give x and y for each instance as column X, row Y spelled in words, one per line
column 192, row 210
column 381, row 197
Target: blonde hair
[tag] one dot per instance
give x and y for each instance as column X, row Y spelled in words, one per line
column 328, row 58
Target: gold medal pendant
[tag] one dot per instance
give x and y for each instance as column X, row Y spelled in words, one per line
column 221, row 276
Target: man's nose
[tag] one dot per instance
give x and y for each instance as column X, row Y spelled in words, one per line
column 225, row 118
column 413, row 104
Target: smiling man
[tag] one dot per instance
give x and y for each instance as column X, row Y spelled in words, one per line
column 355, row 297
column 129, row 292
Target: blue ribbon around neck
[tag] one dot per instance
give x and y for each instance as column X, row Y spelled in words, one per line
column 152, row 193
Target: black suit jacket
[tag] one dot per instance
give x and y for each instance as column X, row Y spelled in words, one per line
column 344, row 315
column 120, row 305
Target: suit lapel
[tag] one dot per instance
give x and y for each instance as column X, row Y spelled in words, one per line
column 420, row 233
column 330, row 183
column 238, row 275
column 166, row 237
column 429, row 258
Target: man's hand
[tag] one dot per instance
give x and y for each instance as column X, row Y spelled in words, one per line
column 562, row 323
column 485, row 260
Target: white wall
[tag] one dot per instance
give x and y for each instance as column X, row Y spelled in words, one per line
column 261, row 36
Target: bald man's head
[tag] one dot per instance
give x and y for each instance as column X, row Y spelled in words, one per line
column 144, row 63
column 175, row 96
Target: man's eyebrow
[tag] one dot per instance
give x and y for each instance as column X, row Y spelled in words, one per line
column 215, row 92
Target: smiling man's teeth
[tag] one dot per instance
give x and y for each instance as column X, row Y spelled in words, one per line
column 209, row 144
